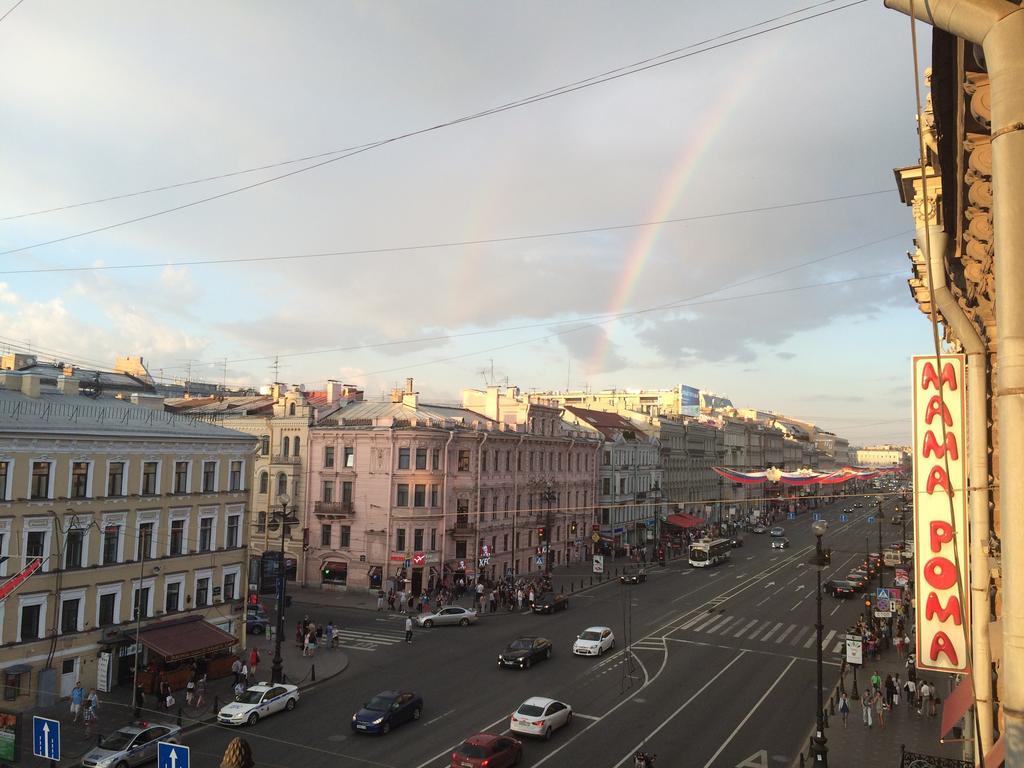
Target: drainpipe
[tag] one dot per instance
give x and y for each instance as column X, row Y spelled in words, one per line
column 998, row 26
column 306, row 501
column 479, row 512
column 515, row 511
column 977, row 460
column 444, row 504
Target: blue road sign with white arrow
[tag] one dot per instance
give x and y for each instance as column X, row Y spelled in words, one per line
column 815, row 516
column 46, row 738
column 170, row 755
column 791, row 515
column 844, row 518
column 871, row 518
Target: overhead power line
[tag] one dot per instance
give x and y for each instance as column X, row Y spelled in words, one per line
column 11, row 10
column 443, row 244
column 580, row 85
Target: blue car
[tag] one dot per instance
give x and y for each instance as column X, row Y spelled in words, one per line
column 387, row 710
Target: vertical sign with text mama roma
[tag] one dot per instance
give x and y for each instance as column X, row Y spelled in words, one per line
column 940, row 513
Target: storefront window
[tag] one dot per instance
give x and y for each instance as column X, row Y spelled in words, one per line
column 335, row 573
column 375, row 575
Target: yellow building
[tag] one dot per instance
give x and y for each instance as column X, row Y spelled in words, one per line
column 137, row 520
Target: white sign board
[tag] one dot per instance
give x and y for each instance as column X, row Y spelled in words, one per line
column 854, row 649
column 598, row 563
column 940, row 479
column 103, row 673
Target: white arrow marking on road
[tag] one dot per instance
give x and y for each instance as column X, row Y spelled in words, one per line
column 798, row 587
column 46, row 739
column 769, row 584
column 757, row 760
column 174, row 759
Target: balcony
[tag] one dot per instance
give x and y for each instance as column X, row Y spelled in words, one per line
column 462, row 527
column 333, row 509
column 279, row 459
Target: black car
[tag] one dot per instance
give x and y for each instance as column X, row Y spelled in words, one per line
column 549, row 602
column 638, row 576
column 522, row 652
column 840, row 588
column 387, row 710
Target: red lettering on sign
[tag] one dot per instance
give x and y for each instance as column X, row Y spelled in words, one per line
column 940, row 532
column 929, row 378
column 933, row 446
column 936, row 477
column 933, row 608
column 942, row 644
column 940, row 573
column 937, row 408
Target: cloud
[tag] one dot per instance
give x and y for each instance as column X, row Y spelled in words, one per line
column 785, row 355
column 590, row 345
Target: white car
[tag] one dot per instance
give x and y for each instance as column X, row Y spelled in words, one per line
column 593, row 641
column 259, row 701
column 453, row 614
column 539, row 716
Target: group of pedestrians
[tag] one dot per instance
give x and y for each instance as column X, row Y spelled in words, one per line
column 309, row 635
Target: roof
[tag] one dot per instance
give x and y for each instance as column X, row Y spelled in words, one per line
column 54, row 413
column 242, row 405
column 608, row 423
column 369, row 413
column 185, row 638
column 110, row 380
column 317, row 397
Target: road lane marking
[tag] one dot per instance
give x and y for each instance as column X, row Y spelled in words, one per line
column 771, row 632
column 810, row 642
column 707, row 623
column 431, row 722
column 722, row 625
column 828, row 637
column 693, row 621
column 595, row 718
column 785, row 634
column 753, row 709
column 764, row 601
column 838, row 647
column 755, row 650
column 798, row 635
column 840, row 605
column 740, row 633
column 759, row 630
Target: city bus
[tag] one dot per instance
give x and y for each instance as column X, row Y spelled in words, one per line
column 709, row 552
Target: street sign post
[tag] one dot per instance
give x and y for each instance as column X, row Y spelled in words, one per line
column 854, row 649
column 791, row 515
column 844, row 518
column 883, row 604
column 902, row 577
column 598, row 563
column 871, row 518
column 46, row 738
column 169, row 755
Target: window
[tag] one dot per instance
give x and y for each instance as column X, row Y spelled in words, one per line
column 622, row 485
column 519, row 462
column 483, row 461
column 435, row 458
column 5, row 470
column 285, row 446
column 235, row 476
column 231, row 538
column 79, row 479
column 202, row 592
column 335, row 573
column 40, row 480
column 35, row 544
column 12, row 686
column 417, row 539
column 264, row 482
column 346, row 536
column 230, row 580
column 108, row 607
column 264, row 445
column 400, row 540
column 346, row 491
column 69, row 612
column 181, row 477
column 325, row 536
column 607, row 459
column 149, row 470
column 172, row 598
column 295, row 445
column 433, row 495
column 606, row 485
column 421, row 458
column 140, row 603
column 209, row 476
column 329, row 456
column 327, row 492
column 31, row 614
column 508, row 461
column 402, row 495
column 403, row 458
column 460, row 550
column 282, row 483
column 177, row 537
column 350, row 457
column 111, row 540
column 419, row 497
column 291, row 409
column 433, row 539
column 74, row 549
column 504, row 543
column 145, row 542
column 463, row 460
column 205, row 534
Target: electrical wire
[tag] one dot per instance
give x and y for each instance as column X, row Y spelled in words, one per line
column 11, row 10
column 413, row 133
column 490, row 110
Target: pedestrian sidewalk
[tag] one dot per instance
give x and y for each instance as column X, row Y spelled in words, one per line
column 117, row 709
column 857, row 746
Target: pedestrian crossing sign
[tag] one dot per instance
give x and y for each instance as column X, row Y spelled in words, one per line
column 844, row 518
column 791, row 515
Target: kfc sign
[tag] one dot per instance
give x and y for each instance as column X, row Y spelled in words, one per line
column 940, row 513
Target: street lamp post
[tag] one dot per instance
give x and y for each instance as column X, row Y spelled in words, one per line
column 547, row 496
column 818, row 743
column 277, row 665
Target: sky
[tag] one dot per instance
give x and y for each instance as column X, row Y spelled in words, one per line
column 515, row 246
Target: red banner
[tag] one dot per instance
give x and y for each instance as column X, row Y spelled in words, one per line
column 19, row 578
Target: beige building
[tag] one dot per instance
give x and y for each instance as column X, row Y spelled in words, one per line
column 135, row 516
column 880, row 456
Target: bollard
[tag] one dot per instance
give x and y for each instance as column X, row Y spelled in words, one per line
column 312, row 672
column 832, row 705
column 99, row 739
column 801, row 760
column 591, row 581
column 179, row 715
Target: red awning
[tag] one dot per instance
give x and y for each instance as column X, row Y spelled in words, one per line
column 684, row 521
column 185, row 638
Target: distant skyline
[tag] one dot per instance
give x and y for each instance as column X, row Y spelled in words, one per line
column 772, row 290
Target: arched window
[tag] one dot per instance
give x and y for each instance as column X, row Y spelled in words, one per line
column 295, row 446
column 264, row 482
column 291, row 409
column 284, row 446
column 265, row 445
column 282, row 483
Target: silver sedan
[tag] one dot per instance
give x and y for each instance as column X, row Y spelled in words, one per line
column 453, row 614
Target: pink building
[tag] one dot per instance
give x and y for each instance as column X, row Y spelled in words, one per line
column 398, row 481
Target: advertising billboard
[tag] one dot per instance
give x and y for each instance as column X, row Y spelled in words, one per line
column 689, row 401
column 711, row 402
column 940, row 513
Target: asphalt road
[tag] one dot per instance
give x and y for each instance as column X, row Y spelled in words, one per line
column 720, row 665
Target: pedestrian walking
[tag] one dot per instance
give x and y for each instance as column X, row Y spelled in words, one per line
column 924, row 695
column 910, row 690
column 897, row 689
column 890, row 690
column 401, row 601
column 245, row 674
column 408, row 629
column 190, row 691
column 236, row 669
column 77, row 697
column 310, row 643
column 140, row 699
column 200, row 691
column 876, row 681
column 91, row 713
column 329, row 635
column 880, row 707
column 865, row 709
column 844, row 708
column 380, row 599
column 254, row 660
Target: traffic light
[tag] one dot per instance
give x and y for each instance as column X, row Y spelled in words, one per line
column 867, row 603
column 542, row 533
column 827, row 556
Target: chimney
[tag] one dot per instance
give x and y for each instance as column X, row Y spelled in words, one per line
column 66, row 385
column 408, row 386
column 30, row 386
column 333, row 390
column 492, row 398
column 153, row 402
column 396, row 395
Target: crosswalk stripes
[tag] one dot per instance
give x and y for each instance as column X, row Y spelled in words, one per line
column 828, row 639
column 757, row 630
column 745, row 628
column 771, row 632
column 367, row 638
column 785, row 633
column 722, row 624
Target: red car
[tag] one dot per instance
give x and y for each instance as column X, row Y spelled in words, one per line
column 488, row 750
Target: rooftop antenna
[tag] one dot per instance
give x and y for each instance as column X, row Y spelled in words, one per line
column 276, row 367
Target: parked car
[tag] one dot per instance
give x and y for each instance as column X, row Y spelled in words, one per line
column 780, row 542
column 778, row 530
column 487, row 750
column 539, row 716
column 550, row 602
column 386, row 710
column 639, row 576
column 523, row 651
column 840, row 588
column 453, row 614
column 256, row 621
column 130, row 745
column 594, row 641
column 259, row 701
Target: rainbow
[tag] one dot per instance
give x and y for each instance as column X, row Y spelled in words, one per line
column 675, row 183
